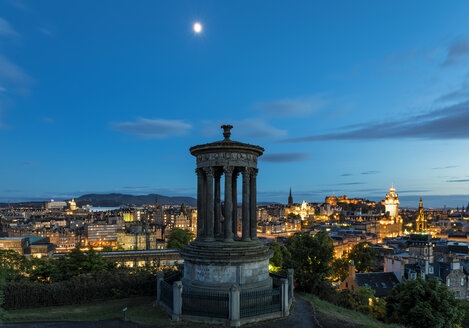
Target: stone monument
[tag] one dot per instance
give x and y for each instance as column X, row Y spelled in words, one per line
column 220, row 257
column 226, row 276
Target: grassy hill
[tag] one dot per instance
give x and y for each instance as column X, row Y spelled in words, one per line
column 330, row 316
column 140, row 311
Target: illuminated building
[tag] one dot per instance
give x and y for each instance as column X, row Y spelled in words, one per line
column 391, row 203
column 73, row 205
column 29, row 245
column 131, row 216
column 101, row 234
column 334, row 200
column 17, row 244
column 183, row 222
column 421, row 222
column 304, row 210
column 138, row 240
column 53, row 205
column 391, row 226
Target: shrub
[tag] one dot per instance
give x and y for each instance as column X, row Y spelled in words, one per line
column 79, row 289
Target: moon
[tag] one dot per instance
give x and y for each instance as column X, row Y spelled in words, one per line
column 197, row 27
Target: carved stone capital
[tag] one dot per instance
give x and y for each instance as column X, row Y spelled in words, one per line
column 245, row 171
column 228, row 170
column 209, row 171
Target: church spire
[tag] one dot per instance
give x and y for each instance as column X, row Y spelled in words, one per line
column 290, row 198
column 421, row 223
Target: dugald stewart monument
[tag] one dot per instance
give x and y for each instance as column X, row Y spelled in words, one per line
column 226, row 274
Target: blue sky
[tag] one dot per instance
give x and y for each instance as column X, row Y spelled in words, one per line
column 346, row 97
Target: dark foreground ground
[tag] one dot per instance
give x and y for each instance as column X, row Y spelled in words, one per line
column 308, row 311
column 301, row 316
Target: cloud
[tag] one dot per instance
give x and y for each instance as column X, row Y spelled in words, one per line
column 19, row 5
column 370, row 172
column 460, row 94
column 457, row 95
column 284, row 193
column 154, row 128
column 136, row 187
column 11, row 73
column 450, row 122
column 444, row 167
column 458, row 180
column 346, row 175
column 12, row 190
column 285, row 157
column 457, row 51
column 377, row 190
column 251, row 128
column 28, row 163
column 48, row 120
column 291, row 107
column 45, row 31
column 399, row 57
column 345, row 184
column 6, row 29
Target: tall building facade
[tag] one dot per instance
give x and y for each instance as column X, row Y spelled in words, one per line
column 391, row 203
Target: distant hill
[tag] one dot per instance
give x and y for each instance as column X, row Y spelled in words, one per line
column 114, row 200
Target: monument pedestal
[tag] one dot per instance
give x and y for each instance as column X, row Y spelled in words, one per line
column 217, row 266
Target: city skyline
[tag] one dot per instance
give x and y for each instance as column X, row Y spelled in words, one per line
column 344, row 101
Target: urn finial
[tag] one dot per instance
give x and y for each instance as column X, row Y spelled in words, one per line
column 226, row 131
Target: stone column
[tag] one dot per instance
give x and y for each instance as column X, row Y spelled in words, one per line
column 290, row 285
column 200, row 203
column 246, row 207
column 234, row 194
column 284, row 297
column 177, row 301
column 234, row 307
column 228, row 203
column 217, row 205
column 159, row 280
column 252, row 203
column 209, row 204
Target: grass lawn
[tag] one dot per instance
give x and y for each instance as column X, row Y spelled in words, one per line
column 330, row 315
column 140, row 310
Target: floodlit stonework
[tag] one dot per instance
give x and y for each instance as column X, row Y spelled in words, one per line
column 226, row 275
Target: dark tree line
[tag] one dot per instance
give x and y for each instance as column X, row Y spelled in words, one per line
column 77, row 277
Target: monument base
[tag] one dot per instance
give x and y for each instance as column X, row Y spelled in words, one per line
column 219, row 265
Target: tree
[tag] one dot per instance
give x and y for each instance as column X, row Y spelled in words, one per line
column 77, row 262
column 340, row 268
column 14, row 265
column 421, row 303
column 2, row 284
column 310, row 257
column 465, row 308
column 363, row 256
column 276, row 262
column 43, row 270
column 178, row 238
